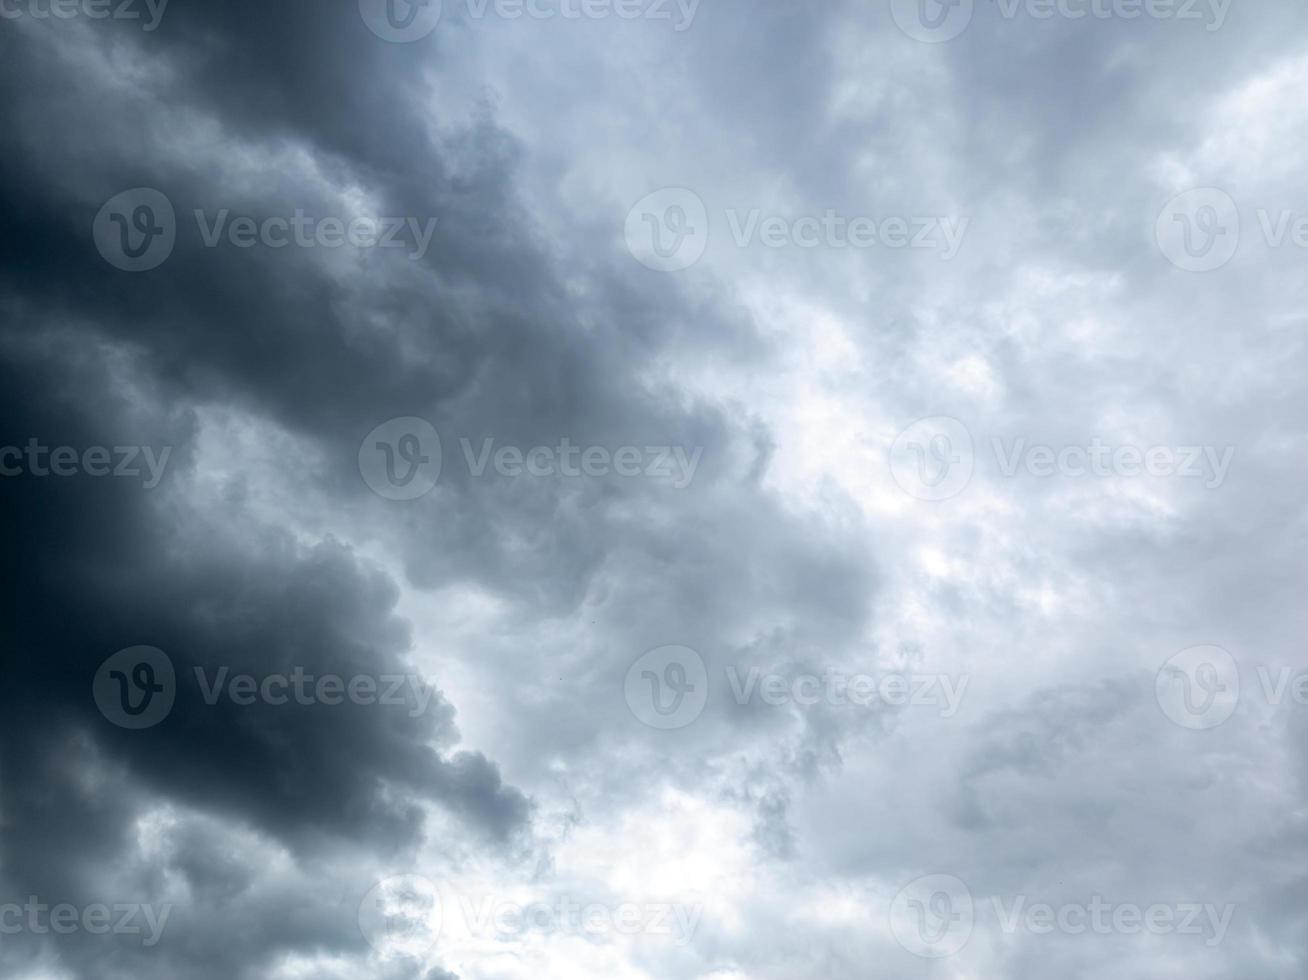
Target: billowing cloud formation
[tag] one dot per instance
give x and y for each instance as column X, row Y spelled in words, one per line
column 802, row 611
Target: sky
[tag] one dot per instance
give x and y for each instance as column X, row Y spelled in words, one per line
column 653, row 489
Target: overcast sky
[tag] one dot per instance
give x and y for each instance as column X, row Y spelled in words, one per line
column 653, row 489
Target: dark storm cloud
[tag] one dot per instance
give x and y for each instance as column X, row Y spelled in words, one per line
column 478, row 335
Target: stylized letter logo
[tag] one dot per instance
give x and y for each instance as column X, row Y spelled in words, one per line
column 402, row 916
column 1207, row 221
column 143, row 679
column 674, row 679
column 668, row 231
column 401, row 21
column 933, row 916
column 136, row 230
column 1199, row 231
column 410, row 449
column 136, row 687
column 939, row 451
column 939, row 909
column 935, row 13
column 146, row 225
column 933, row 458
column 401, row 459
column 932, row 21
column 667, row 687
column 1199, row 688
